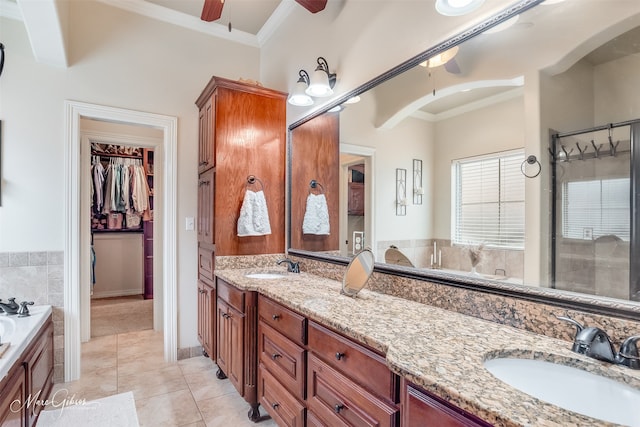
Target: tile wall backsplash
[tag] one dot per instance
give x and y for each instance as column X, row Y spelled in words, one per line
column 519, row 313
column 38, row 277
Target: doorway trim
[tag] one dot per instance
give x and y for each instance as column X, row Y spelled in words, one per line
column 74, row 111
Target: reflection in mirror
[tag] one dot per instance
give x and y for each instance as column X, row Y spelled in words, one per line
column 472, row 123
column 358, row 272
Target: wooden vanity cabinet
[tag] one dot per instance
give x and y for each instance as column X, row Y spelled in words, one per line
column 30, row 377
column 422, row 409
column 236, row 341
column 282, row 362
column 207, row 318
column 348, row 383
column 14, row 389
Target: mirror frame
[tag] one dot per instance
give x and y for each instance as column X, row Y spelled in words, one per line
column 569, row 300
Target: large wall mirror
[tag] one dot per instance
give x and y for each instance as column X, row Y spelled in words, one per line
column 503, row 158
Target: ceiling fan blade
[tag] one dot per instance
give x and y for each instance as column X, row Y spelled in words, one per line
column 313, row 6
column 452, row 66
column 212, row 10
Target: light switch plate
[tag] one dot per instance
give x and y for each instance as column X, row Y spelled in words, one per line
column 189, row 223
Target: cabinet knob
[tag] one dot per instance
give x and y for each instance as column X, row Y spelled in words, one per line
column 276, row 317
column 340, row 356
column 275, row 405
column 339, row 407
column 274, row 356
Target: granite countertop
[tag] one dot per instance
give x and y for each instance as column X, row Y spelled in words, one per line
column 439, row 350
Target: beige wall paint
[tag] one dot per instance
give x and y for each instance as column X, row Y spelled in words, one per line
column 117, row 59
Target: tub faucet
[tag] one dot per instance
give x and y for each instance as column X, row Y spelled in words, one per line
column 10, row 308
column 292, row 267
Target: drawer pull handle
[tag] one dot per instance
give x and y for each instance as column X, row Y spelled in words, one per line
column 276, row 317
column 274, row 356
column 340, row 356
column 275, row 405
column 338, row 408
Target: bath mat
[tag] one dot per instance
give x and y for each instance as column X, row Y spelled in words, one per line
column 113, row 411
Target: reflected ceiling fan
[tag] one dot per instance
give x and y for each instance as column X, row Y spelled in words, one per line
column 212, row 9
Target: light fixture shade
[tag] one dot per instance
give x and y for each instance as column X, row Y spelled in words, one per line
column 457, row 7
column 319, row 86
column 441, row 58
column 299, row 97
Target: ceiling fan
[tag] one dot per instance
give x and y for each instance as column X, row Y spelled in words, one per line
column 212, row 9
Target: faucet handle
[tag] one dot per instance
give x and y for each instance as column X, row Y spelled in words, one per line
column 23, row 311
column 575, row 323
column 628, row 354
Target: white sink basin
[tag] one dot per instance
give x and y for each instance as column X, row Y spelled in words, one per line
column 267, row 276
column 7, row 328
column 570, row 388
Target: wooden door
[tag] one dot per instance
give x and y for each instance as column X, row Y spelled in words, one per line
column 235, row 371
column 14, row 390
column 206, row 318
column 223, row 341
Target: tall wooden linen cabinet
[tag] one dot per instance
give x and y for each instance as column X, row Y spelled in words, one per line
column 242, row 135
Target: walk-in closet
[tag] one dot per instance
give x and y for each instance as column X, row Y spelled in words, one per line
column 121, row 183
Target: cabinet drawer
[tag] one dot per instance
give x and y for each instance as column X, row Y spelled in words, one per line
column 232, row 295
column 359, row 363
column 285, row 359
column 336, row 400
column 279, row 403
column 206, row 263
column 285, row 321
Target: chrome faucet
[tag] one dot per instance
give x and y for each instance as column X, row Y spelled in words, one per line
column 594, row 342
column 292, row 267
column 10, row 308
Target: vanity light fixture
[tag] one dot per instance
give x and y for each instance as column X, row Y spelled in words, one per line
column 322, row 81
column 457, row 7
column 299, row 96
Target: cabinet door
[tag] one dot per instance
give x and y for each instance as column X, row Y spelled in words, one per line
column 235, row 371
column 13, row 390
column 356, row 198
column 206, row 318
column 422, row 410
column 206, row 140
column 40, row 371
column 206, row 212
column 223, row 342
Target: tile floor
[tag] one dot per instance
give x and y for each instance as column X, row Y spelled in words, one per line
column 186, row 393
column 110, row 316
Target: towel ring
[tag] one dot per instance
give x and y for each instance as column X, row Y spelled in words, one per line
column 252, row 179
column 531, row 160
column 313, row 185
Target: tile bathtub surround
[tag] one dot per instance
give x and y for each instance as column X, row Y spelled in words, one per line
column 531, row 316
column 38, row 277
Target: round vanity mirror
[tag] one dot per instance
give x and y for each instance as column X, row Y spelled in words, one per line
column 358, row 272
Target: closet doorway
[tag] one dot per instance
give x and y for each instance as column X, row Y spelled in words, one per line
column 121, row 184
column 78, row 237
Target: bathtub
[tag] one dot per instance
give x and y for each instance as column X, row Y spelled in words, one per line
column 19, row 332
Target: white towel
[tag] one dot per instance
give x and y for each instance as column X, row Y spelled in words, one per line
column 254, row 216
column 316, row 217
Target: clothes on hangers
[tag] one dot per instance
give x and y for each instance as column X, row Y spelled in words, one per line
column 122, row 187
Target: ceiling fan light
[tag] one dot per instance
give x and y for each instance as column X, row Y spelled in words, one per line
column 503, row 25
column 442, row 58
column 457, row 7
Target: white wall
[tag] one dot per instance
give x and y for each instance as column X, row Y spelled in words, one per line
column 612, row 80
column 118, row 267
column 118, row 59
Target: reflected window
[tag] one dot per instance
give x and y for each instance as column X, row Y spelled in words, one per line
column 488, row 200
column 596, row 208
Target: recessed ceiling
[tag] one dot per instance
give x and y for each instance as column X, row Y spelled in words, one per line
column 625, row 44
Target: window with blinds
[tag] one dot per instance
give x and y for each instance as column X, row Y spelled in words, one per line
column 596, row 208
column 488, row 200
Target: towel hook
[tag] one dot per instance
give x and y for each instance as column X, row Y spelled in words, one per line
column 252, row 179
column 531, row 160
column 313, row 185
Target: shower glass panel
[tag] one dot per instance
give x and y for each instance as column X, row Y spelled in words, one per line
column 593, row 212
